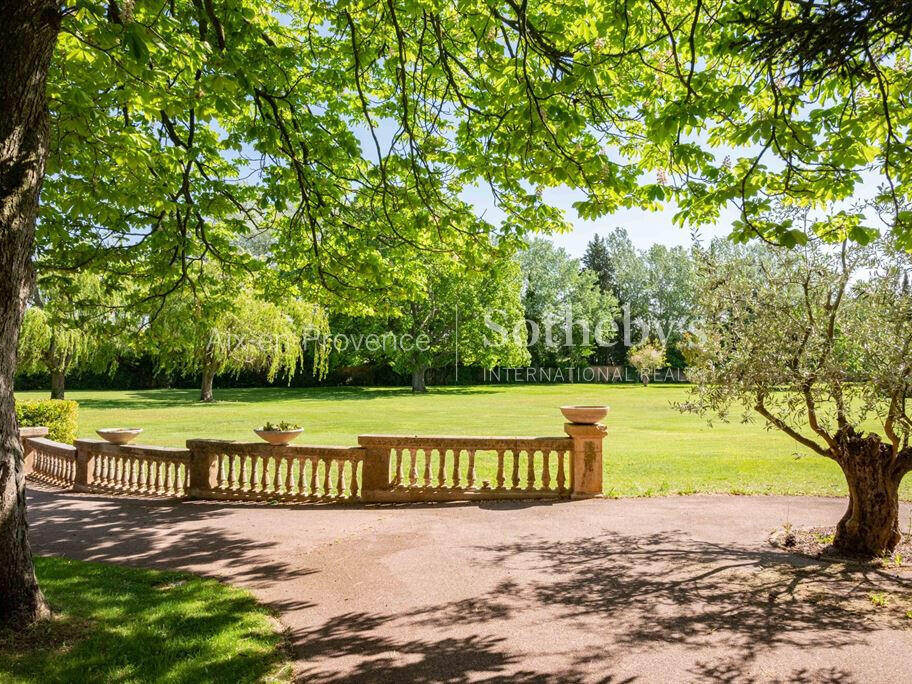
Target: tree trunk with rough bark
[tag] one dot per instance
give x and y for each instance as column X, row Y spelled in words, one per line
column 206, row 388
column 418, row 374
column 29, row 30
column 870, row 526
column 58, row 382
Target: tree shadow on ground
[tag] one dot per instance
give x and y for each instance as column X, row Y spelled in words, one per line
column 726, row 610
column 725, row 607
column 131, row 532
column 175, row 398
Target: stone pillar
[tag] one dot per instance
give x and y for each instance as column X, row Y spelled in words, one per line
column 586, row 459
column 375, row 470
column 28, row 454
column 203, row 469
column 85, row 465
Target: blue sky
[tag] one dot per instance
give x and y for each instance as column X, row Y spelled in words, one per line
column 645, row 228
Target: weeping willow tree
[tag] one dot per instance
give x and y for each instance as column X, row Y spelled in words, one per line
column 66, row 328
column 234, row 330
column 47, row 346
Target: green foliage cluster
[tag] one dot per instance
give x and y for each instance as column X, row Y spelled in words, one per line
column 59, row 416
column 230, row 326
column 653, row 290
column 567, row 313
column 459, row 309
column 73, row 321
column 281, row 426
column 647, row 358
column 350, row 132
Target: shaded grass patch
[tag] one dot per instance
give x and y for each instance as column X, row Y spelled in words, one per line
column 113, row 623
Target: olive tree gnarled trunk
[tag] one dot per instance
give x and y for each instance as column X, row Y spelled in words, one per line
column 870, row 526
column 29, row 30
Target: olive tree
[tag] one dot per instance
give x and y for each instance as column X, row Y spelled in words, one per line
column 816, row 342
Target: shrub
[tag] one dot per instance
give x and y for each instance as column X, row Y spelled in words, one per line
column 58, row 415
column 647, row 358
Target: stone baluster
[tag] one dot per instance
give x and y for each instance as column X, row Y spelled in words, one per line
column 427, row 468
column 546, row 469
column 326, row 467
column 314, row 464
column 456, row 474
column 413, row 467
column 340, row 479
column 289, row 465
column 400, row 454
column 561, row 477
column 441, row 467
column 355, row 482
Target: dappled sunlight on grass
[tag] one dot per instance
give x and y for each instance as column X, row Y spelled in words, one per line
column 120, row 624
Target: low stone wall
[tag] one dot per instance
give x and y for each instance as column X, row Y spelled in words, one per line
column 382, row 468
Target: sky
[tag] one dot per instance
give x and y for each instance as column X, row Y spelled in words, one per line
column 645, row 228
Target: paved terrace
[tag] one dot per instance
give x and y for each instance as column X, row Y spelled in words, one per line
column 665, row 589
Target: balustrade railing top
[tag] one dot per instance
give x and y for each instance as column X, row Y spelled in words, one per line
column 382, row 468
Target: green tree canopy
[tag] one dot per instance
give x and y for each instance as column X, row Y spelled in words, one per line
column 472, row 312
column 70, row 324
column 229, row 327
column 568, row 315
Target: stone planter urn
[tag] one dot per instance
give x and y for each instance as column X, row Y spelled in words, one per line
column 278, row 436
column 584, row 415
column 119, row 435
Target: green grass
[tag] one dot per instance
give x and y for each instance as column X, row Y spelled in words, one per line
column 117, row 624
column 651, row 448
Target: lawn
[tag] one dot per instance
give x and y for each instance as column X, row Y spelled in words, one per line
column 116, row 624
column 651, row 448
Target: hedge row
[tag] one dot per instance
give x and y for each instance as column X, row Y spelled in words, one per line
column 58, row 415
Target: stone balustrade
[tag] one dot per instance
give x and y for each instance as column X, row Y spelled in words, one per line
column 252, row 471
column 382, row 468
column 432, row 468
column 103, row 467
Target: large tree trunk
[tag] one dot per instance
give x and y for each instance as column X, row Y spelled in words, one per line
column 418, row 374
column 58, row 381
column 206, row 389
column 870, row 526
column 29, row 32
